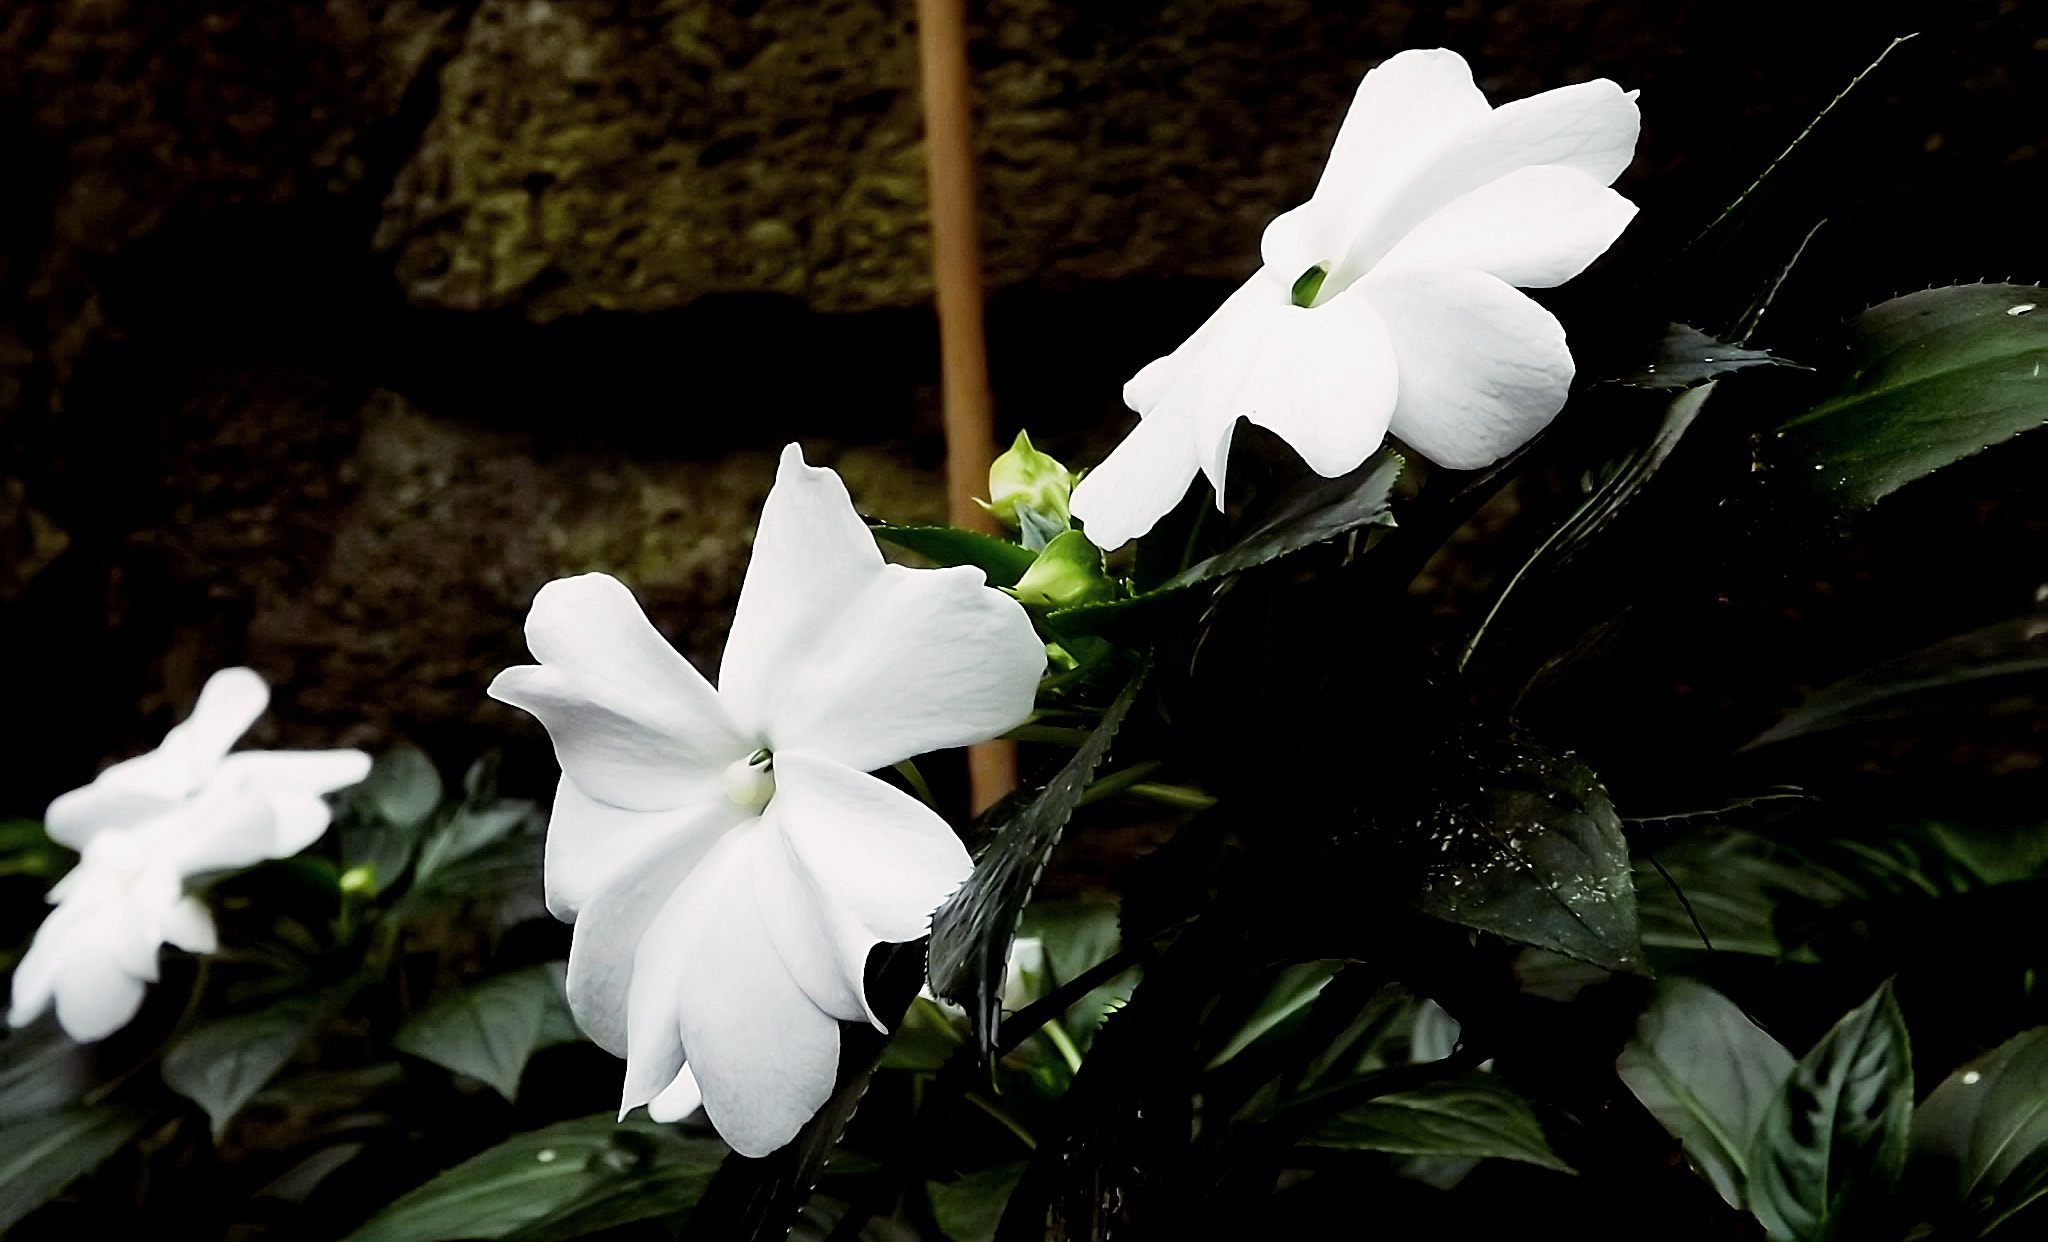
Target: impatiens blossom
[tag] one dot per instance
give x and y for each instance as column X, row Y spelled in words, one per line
column 1388, row 301
column 145, row 827
column 726, row 858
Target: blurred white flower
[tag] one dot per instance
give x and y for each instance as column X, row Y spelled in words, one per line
column 144, row 827
column 1388, row 300
column 725, row 857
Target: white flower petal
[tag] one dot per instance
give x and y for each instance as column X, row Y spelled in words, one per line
column 763, row 1052
column 293, row 782
column 96, row 994
column 821, row 944
column 609, row 929
column 227, row 828
column 1590, row 127
column 677, row 1100
column 590, row 843
column 1404, row 112
column 812, row 558
column 631, row 720
column 228, row 704
column 1326, row 383
column 1483, row 367
column 297, row 771
column 35, row 975
column 1535, row 228
column 76, row 817
column 189, row 925
column 921, row 660
column 882, row 854
column 1141, row 480
column 1189, row 401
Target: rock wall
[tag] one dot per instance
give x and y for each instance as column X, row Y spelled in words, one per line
column 328, row 331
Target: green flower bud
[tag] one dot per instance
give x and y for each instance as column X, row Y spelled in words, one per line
column 359, row 879
column 1068, row 572
column 1028, row 490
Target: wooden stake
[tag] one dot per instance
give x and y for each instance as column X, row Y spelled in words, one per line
column 956, row 280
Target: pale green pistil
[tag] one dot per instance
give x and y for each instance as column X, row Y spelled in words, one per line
column 750, row 782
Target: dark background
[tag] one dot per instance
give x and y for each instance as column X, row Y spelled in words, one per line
column 328, row 333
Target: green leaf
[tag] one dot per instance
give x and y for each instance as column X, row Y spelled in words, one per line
column 538, row 1186
column 1931, row 378
column 41, row 1070
column 491, row 1030
column 1743, row 211
column 1687, row 357
column 971, row 933
column 383, row 817
column 1004, row 562
column 1472, row 1116
column 1524, row 843
column 1078, row 936
column 1732, row 883
column 1294, row 989
column 1966, row 669
column 1599, row 508
column 969, row 1208
column 219, row 1065
column 25, row 849
column 1708, row 1074
column 1984, row 1131
column 1833, row 1141
column 40, row 1156
column 1319, row 511
column 467, row 831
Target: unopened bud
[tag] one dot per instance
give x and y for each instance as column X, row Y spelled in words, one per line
column 1068, row 572
column 1028, row 490
column 359, row 879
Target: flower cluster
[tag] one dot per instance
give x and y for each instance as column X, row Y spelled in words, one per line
column 146, row 827
column 1388, row 301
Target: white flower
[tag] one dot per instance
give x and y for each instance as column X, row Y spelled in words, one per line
column 1432, row 209
column 725, row 857
column 144, row 827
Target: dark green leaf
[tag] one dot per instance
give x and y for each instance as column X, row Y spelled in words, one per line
column 40, row 1156
column 541, row 1185
column 219, row 1065
column 1004, row 562
column 1931, row 378
column 1473, row 1116
column 1740, row 213
column 491, row 1030
column 1077, row 936
column 1525, row 844
column 1833, row 1141
column 1687, row 357
column 469, row 830
column 969, row 1208
column 1994, row 661
column 1731, row 884
column 971, row 933
column 1708, row 1074
column 1293, row 990
column 1984, row 1131
column 1319, row 511
column 25, row 849
column 1599, row 508
column 41, row 1070
column 383, row 817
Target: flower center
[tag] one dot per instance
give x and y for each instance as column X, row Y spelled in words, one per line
column 750, row 782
